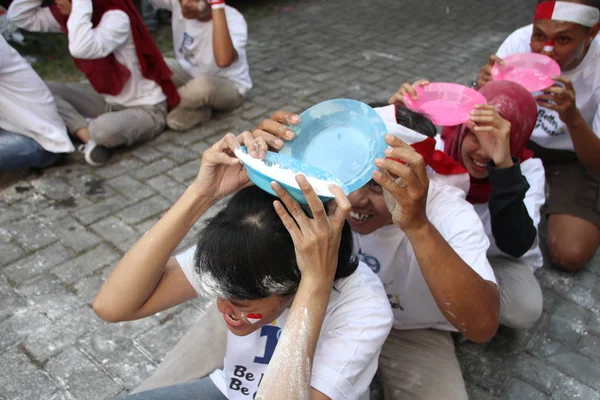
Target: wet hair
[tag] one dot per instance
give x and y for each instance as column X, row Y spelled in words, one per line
column 246, row 253
column 411, row 119
column 591, row 3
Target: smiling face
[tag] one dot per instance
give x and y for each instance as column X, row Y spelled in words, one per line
column 369, row 211
column 571, row 41
column 64, row 6
column 473, row 156
column 244, row 317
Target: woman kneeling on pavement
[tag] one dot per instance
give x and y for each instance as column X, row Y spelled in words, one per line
column 306, row 320
column 507, row 190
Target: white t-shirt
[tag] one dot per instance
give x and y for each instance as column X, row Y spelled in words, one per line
column 533, row 170
column 357, row 322
column 193, row 45
column 388, row 252
column 26, row 104
column 111, row 35
column 550, row 132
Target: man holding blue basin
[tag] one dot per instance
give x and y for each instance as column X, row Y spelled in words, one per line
column 428, row 246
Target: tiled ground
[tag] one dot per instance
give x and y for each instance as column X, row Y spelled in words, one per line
column 61, row 231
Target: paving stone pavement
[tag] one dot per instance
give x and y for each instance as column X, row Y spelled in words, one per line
column 61, row 231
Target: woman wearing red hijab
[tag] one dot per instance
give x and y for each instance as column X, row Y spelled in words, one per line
column 129, row 83
column 507, row 190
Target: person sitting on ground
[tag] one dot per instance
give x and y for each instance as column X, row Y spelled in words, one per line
column 506, row 189
column 428, row 246
column 210, row 66
column 566, row 136
column 130, row 85
column 275, row 272
column 32, row 134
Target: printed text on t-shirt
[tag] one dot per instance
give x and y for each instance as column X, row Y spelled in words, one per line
column 243, row 378
column 549, row 123
column 375, row 266
column 245, row 382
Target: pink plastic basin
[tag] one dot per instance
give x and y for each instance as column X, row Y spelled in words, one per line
column 445, row 104
column 531, row 70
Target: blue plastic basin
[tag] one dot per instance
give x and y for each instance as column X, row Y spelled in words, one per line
column 341, row 137
column 264, row 182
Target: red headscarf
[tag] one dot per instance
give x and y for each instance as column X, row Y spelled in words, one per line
column 515, row 104
column 107, row 75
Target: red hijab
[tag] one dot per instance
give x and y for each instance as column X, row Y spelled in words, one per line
column 515, row 104
column 107, row 75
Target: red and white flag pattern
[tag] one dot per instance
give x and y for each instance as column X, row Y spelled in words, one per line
column 441, row 167
column 567, row 12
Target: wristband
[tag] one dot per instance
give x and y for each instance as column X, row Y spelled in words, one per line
column 215, row 4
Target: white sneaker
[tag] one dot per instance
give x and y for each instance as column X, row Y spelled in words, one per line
column 94, row 154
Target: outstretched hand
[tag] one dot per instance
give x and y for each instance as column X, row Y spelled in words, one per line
column 221, row 173
column 560, row 99
column 493, row 133
column 485, row 74
column 405, row 184
column 317, row 239
column 407, row 89
column 274, row 131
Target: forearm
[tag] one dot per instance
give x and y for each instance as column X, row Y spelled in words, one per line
column 585, row 141
column 289, row 372
column 512, row 226
column 88, row 42
column 136, row 276
column 468, row 302
column 80, row 27
column 29, row 15
column 223, row 49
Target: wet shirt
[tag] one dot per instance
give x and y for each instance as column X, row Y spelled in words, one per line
column 357, row 322
column 388, row 252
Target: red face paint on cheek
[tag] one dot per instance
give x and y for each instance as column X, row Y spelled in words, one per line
column 254, row 318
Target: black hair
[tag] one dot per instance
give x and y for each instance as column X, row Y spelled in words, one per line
column 411, row 119
column 246, row 253
column 591, row 3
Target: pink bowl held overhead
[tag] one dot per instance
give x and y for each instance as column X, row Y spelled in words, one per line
column 446, row 104
column 531, row 70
